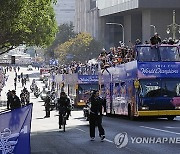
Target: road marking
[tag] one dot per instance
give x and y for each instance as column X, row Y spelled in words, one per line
column 132, row 150
column 108, row 140
column 80, row 130
column 85, row 132
column 166, row 131
column 172, row 127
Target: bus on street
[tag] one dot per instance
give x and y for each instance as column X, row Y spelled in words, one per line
column 146, row 86
column 79, row 87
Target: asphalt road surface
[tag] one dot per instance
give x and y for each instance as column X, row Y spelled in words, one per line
column 150, row 136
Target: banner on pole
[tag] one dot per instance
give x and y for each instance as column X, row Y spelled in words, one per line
column 15, row 127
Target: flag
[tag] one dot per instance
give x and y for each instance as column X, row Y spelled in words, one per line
column 15, row 127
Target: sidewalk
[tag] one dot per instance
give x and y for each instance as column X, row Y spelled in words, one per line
column 10, row 86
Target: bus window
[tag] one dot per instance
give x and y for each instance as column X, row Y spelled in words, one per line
column 169, row 54
column 150, row 89
column 116, row 84
column 147, row 53
column 102, row 86
column 83, row 88
column 122, row 84
column 171, row 88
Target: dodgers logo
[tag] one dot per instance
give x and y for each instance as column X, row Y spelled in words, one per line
column 8, row 140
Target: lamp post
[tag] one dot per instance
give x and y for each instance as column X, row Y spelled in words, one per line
column 172, row 27
column 118, row 25
column 154, row 28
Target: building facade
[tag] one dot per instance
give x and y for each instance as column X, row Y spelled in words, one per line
column 64, row 11
column 87, row 17
column 133, row 19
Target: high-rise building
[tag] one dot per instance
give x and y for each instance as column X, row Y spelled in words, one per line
column 65, row 11
column 86, row 17
column 128, row 19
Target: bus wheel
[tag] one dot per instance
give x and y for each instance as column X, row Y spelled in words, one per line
column 171, row 118
column 131, row 117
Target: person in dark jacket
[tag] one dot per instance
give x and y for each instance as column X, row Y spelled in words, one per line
column 9, row 98
column 47, row 106
column 96, row 115
column 62, row 105
column 155, row 39
column 14, row 100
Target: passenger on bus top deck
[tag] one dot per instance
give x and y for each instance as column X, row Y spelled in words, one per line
column 171, row 41
column 155, row 39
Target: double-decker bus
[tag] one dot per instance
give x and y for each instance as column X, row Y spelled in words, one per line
column 147, row 86
column 79, row 86
column 44, row 72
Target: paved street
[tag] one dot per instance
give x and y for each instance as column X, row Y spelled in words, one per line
column 46, row 138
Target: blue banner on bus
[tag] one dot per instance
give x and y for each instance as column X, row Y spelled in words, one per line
column 15, row 131
column 158, row 69
column 87, row 78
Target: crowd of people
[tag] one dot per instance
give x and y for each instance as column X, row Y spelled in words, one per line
column 123, row 54
column 119, row 55
column 112, row 57
column 13, row 101
column 78, row 67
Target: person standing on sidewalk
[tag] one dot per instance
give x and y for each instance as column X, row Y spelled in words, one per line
column 15, row 80
column 96, row 115
column 9, row 98
column 47, row 105
column 15, row 101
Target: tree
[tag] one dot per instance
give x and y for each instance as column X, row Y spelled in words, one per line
column 81, row 48
column 30, row 22
column 64, row 34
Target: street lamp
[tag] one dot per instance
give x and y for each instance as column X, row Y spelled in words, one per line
column 118, row 25
column 173, row 26
column 154, row 28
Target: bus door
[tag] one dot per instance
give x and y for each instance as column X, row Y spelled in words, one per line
column 123, row 98
column 83, row 92
column 108, row 95
column 116, row 99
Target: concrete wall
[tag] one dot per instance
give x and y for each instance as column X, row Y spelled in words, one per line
column 107, row 7
column 65, row 11
column 160, row 19
column 136, row 24
column 135, row 15
column 159, row 4
column 87, row 19
column 127, row 28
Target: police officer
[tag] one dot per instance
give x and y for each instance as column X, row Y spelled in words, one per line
column 96, row 115
column 47, row 106
column 15, row 101
column 9, row 98
column 62, row 105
